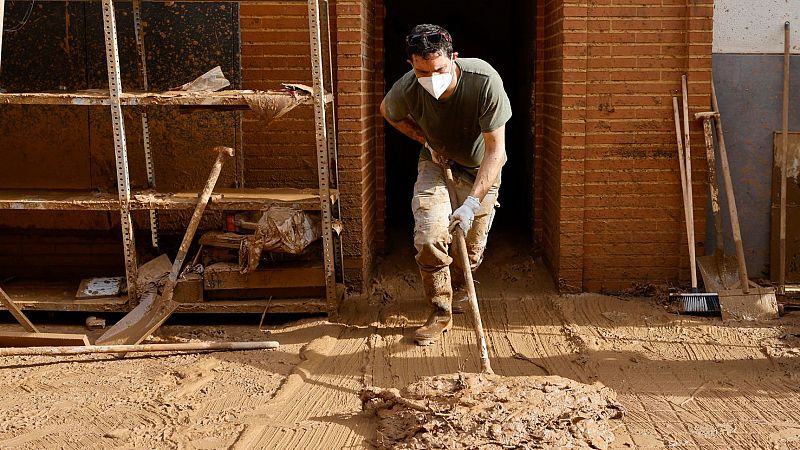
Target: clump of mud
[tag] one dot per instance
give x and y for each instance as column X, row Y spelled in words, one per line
column 491, row 411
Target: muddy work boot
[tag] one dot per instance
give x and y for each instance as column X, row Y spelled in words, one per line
column 439, row 321
column 460, row 300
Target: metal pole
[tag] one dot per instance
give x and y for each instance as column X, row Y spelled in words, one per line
column 138, row 348
column 333, row 146
column 322, row 154
column 120, row 146
column 138, row 31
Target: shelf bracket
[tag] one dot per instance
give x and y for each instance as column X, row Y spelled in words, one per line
column 323, row 163
column 138, row 30
column 120, row 148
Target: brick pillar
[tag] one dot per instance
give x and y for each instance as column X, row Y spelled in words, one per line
column 612, row 210
column 359, row 38
column 275, row 49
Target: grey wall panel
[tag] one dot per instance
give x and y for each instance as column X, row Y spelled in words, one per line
column 749, row 88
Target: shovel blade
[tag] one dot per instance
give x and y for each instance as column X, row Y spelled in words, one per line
column 152, row 311
column 719, row 273
column 758, row 304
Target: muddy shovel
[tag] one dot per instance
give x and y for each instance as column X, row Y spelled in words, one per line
column 461, row 246
column 747, row 301
column 153, row 309
column 719, row 271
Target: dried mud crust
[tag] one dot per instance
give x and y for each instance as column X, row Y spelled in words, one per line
column 492, row 411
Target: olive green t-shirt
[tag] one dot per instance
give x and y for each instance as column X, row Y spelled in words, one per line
column 453, row 126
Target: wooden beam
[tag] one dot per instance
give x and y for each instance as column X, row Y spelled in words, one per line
column 14, row 310
column 27, row 339
column 221, row 200
column 222, row 276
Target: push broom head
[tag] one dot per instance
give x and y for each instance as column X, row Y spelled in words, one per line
column 697, row 302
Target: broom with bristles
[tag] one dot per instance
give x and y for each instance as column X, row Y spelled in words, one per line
column 694, row 301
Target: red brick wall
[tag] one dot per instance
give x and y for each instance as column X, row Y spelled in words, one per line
column 360, row 88
column 548, row 93
column 614, row 215
column 274, row 50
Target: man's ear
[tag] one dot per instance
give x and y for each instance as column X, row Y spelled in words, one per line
column 455, row 56
column 409, row 61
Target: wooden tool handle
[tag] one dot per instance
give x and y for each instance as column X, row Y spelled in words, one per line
column 682, row 166
column 690, row 201
column 461, row 247
column 784, row 158
column 202, row 201
column 726, row 177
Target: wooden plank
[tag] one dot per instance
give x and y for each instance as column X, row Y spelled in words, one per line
column 189, row 289
column 792, row 209
column 222, row 239
column 221, row 199
column 16, row 312
column 221, row 276
column 46, row 295
column 28, row 339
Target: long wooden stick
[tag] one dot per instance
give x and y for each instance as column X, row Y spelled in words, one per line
column 14, row 309
column 682, row 165
column 145, row 319
column 784, row 158
column 689, row 200
column 461, row 248
column 138, row 348
column 732, row 211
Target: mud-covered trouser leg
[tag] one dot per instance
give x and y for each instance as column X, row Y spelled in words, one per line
column 431, row 208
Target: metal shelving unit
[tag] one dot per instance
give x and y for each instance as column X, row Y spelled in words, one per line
column 325, row 199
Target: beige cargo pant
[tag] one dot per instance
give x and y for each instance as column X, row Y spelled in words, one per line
column 431, row 208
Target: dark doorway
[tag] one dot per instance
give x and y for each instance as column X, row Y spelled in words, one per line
column 503, row 35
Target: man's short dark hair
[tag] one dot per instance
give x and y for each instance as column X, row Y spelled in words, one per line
column 427, row 39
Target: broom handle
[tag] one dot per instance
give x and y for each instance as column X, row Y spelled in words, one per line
column 690, row 201
column 682, row 164
column 726, row 177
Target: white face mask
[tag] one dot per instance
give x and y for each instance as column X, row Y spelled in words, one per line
column 436, row 84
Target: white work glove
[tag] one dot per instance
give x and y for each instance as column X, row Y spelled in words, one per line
column 464, row 215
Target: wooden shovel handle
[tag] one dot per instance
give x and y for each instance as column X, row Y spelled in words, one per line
column 461, row 246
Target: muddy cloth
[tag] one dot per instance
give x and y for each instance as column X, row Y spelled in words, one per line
column 454, row 126
column 431, row 208
column 493, row 412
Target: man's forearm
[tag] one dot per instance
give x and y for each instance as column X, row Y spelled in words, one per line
column 493, row 160
column 409, row 128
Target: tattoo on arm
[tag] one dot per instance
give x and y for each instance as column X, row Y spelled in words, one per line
column 406, row 126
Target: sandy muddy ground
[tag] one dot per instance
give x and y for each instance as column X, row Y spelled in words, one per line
column 685, row 382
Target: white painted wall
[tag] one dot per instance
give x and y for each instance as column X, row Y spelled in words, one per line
column 755, row 26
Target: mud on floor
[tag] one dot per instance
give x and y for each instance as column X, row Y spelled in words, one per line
column 464, row 411
column 684, row 382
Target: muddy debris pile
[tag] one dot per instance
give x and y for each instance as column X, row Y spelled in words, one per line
column 490, row 411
